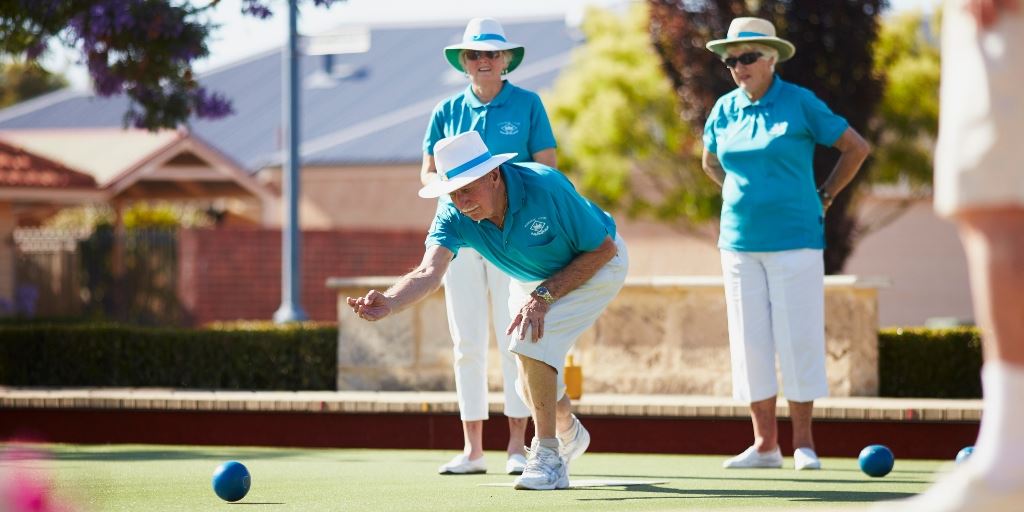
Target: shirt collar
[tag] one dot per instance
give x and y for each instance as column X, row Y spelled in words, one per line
column 743, row 101
column 502, row 97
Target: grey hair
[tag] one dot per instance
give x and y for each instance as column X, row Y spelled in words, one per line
column 505, row 54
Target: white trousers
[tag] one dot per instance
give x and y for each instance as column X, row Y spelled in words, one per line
column 775, row 303
column 469, row 280
column 569, row 316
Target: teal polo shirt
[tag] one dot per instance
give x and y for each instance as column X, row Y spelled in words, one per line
column 769, row 198
column 547, row 224
column 513, row 122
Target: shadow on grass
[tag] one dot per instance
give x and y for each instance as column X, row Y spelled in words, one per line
column 166, row 454
column 791, row 495
column 755, row 479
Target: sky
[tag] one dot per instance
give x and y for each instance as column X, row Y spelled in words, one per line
column 240, row 36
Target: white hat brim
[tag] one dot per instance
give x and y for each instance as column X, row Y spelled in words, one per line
column 785, row 48
column 439, row 187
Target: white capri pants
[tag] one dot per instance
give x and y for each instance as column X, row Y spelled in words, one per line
column 569, row 316
column 775, row 302
column 466, row 286
column 981, row 116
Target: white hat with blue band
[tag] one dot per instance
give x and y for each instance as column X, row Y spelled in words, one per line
column 484, row 34
column 753, row 30
column 461, row 160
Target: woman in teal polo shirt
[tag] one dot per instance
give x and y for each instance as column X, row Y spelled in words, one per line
column 759, row 146
column 510, row 120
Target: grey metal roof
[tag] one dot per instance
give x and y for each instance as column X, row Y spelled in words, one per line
column 375, row 110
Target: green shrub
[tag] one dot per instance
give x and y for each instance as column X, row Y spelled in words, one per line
column 930, row 363
column 293, row 358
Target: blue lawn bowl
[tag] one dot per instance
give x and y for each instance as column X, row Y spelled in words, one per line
column 964, row 454
column 876, row 460
column 231, row 481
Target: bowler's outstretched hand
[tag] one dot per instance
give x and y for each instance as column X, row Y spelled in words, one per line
column 373, row 306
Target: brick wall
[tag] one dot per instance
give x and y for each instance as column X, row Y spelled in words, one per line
column 234, row 274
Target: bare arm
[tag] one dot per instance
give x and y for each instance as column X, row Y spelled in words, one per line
column 712, row 167
column 854, row 151
column 412, row 287
column 578, row 271
column 546, row 157
column 427, row 170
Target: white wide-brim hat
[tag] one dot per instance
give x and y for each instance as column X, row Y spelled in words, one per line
column 753, row 30
column 484, row 34
column 461, row 160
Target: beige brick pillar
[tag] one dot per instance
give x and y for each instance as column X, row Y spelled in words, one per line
column 7, row 225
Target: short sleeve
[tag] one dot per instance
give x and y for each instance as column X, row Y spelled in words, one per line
column 710, row 142
column 825, row 126
column 541, row 135
column 435, row 128
column 444, row 229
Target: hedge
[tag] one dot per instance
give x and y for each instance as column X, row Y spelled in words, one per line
column 303, row 357
column 930, row 363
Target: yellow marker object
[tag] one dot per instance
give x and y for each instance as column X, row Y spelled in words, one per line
column 573, row 379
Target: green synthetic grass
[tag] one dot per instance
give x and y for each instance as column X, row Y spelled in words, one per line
column 177, row 478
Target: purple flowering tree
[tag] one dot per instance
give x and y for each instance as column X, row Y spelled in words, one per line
column 144, row 49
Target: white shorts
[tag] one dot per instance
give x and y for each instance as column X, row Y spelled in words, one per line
column 981, row 114
column 569, row 316
column 775, row 303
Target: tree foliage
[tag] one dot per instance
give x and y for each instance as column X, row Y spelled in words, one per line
column 620, row 135
column 144, row 49
column 834, row 58
column 906, row 126
column 20, row 81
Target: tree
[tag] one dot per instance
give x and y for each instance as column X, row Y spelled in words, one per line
column 620, row 135
column 20, row 81
column 834, row 58
column 144, row 49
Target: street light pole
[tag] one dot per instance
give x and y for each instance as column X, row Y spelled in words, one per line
column 291, row 237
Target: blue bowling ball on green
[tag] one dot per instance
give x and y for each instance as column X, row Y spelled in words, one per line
column 231, row 481
column 964, row 454
column 876, row 460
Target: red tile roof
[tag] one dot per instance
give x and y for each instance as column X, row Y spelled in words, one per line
column 19, row 168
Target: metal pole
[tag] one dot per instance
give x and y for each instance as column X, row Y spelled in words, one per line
column 291, row 275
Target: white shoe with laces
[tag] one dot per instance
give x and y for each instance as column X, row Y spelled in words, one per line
column 545, row 470
column 751, row 458
column 805, row 458
column 462, row 465
column 515, row 464
column 576, row 440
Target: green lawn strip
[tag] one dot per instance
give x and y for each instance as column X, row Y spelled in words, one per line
column 177, row 478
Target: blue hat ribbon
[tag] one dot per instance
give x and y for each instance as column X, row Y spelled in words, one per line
column 468, row 165
column 751, row 34
column 489, row 37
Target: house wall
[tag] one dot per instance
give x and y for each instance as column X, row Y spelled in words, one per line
column 233, row 274
column 7, row 225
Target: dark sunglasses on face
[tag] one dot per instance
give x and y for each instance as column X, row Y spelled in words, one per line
column 476, row 54
column 746, row 59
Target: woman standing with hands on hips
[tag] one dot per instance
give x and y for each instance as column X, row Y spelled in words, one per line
column 759, row 143
column 510, row 120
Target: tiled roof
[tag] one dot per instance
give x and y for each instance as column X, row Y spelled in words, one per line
column 19, row 168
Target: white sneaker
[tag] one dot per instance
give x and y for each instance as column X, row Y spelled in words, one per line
column 751, row 458
column 576, row 441
column 545, row 470
column 805, row 458
column 515, row 464
column 461, row 465
column 960, row 491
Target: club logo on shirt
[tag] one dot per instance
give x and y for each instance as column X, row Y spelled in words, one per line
column 508, row 128
column 778, row 128
column 538, row 226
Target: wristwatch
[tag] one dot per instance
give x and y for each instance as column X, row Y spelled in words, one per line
column 544, row 294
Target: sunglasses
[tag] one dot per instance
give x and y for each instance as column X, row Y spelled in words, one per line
column 746, row 59
column 476, row 54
